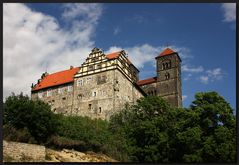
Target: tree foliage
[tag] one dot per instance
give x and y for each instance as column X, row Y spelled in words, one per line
column 156, row 132
column 35, row 116
column 150, row 131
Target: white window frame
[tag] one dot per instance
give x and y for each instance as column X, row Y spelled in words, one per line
column 40, row 95
column 88, row 80
column 69, row 89
column 48, row 93
column 60, row 90
column 80, row 82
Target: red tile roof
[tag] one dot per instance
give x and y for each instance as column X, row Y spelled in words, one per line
column 57, row 78
column 147, row 81
column 116, row 55
column 113, row 55
column 165, row 52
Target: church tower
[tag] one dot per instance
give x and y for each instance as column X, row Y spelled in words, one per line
column 169, row 77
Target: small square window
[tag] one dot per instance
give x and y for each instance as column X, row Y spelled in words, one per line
column 48, row 93
column 70, row 88
column 79, row 82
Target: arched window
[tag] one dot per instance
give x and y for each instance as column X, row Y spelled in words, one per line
column 167, row 76
column 166, row 64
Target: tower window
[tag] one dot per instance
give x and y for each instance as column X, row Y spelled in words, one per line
column 99, row 109
column 167, row 76
column 89, row 107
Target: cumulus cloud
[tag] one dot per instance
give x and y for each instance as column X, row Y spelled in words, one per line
column 211, row 75
column 229, row 10
column 204, row 79
column 33, row 41
column 142, row 54
column 186, row 68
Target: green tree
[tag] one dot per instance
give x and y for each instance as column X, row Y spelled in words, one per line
column 218, row 128
column 156, row 132
column 35, row 116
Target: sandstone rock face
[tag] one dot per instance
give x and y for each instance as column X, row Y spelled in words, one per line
column 23, row 152
column 75, row 156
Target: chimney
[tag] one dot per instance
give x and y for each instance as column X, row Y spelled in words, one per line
column 71, row 67
column 32, row 85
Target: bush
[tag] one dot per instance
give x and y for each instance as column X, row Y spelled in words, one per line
column 35, row 116
column 93, row 132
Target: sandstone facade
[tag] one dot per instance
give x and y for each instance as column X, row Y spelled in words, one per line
column 104, row 83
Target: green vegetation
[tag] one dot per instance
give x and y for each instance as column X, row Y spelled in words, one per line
column 150, row 131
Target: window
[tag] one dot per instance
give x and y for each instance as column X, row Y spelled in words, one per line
column 48, row 93
column 98, row 66
column 167, row 76
column 69, row 88
column 80, row 83
column 60, row 90
column 80, row 96
column 94, row 94
column 99, row 109
column 63, row 98
column 89, row 107
column 91, row 67
column 166, row 64
column 88, row 80
column 40, row 94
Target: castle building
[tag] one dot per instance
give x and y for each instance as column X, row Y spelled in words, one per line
column 104, row 83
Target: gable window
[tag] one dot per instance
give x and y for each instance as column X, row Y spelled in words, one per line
column 91, row 67
column 98, row 66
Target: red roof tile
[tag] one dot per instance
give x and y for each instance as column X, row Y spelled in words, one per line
column 165, row 52
column 113, row 55
column 116, row 55
column 147, row 81
column 57, row 78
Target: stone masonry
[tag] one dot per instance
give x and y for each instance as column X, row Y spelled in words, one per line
column 104, row 83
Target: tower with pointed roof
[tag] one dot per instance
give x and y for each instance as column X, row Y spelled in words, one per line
column 168, row 83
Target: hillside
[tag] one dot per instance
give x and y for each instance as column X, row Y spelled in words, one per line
column 23, row 152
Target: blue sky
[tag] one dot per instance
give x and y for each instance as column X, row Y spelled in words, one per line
column 59, row 35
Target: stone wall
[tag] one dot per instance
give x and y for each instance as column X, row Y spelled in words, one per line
column 23, row 152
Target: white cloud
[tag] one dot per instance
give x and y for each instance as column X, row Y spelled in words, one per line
column 211, row 75
column 32, row 39
column 187, row 77
column 204, row 79
column 142, row 54
column 186, row 68
column 184, row 97
column 229, row 10
column 215, row 74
